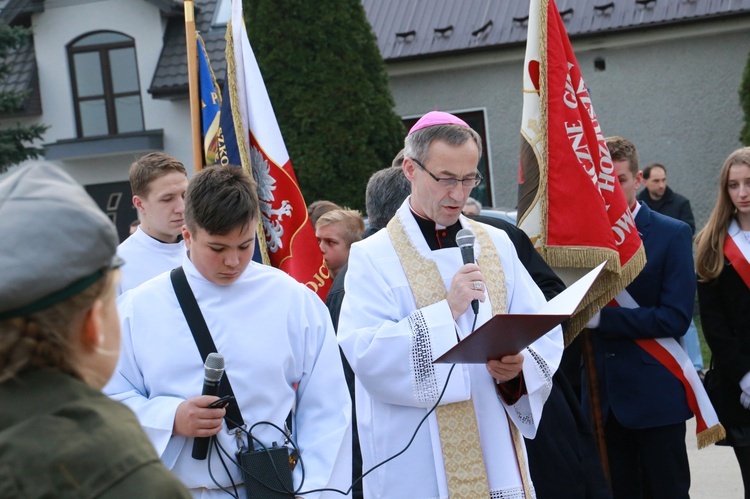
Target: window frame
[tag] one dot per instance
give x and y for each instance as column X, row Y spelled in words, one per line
column 109, row 95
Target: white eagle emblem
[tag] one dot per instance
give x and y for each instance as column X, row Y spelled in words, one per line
column 271, row 216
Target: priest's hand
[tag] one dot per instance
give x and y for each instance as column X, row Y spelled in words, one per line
column 506, row 368
column 467, row 285
column 195, row 419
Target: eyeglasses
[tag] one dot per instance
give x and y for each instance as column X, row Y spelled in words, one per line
column 451, row 183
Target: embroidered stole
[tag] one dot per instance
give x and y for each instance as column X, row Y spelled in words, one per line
column 457, row 422
column 672, row 356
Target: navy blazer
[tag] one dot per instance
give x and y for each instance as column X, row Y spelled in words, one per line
column 639, row 390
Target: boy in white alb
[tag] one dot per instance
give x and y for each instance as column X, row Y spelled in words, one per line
column 158, row 182
column 276, row 337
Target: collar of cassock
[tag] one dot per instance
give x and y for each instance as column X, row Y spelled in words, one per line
column 437, row 236
column 179, row 238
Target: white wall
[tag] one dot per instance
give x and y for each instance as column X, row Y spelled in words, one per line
column 59, row 25
column 672, row 91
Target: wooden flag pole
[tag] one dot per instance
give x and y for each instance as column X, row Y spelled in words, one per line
column 192, row 64
column 595, row 408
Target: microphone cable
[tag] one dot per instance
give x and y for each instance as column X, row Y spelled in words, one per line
column 411, row 440
column 298, row 491
column 215, row 443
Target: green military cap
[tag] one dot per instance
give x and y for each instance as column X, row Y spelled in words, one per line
column 55, row 240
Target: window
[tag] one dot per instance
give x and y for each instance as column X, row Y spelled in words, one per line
column 475, row 119
column 222, row 13
column 106, row 89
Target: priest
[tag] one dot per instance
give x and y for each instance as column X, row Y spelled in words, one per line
column 408, row 300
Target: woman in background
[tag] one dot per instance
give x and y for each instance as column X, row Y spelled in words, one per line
column 59, row 343
column 722, row 256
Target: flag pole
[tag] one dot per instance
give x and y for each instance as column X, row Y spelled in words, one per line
column 595, row 407
column 192, row 64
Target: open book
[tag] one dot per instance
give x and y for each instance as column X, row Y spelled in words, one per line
column 508, row 334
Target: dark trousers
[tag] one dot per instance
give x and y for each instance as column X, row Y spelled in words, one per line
column 649, row 462
column 563, row 458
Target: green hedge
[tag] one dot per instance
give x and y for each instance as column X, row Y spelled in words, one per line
column 745, row 102
column 329, row 89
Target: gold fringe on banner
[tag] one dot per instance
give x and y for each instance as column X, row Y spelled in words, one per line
column 612, row 280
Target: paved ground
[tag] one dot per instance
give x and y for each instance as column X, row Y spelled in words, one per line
column 714, row 470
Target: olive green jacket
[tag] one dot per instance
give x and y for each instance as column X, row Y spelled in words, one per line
column 61, row 438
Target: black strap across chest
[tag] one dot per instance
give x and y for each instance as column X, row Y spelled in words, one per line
column 203, row 340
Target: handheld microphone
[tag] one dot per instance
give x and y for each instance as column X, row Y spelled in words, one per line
column 465, row 240
column 213, row 371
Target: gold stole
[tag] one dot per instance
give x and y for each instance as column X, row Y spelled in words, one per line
column 457, row 422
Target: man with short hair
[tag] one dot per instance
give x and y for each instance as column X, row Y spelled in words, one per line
column 407, row 301
column 319, row 208
column 662, row 199
column 472, row 207
column 274, row 333
column 336, row 231
column 643, row 404
column 158, row 182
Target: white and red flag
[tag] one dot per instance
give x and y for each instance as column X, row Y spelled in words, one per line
column 569, row 201
column 290, row 242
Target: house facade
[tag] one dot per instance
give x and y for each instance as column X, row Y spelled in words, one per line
column 664, row 74
column 92, row 67
column 110, row 79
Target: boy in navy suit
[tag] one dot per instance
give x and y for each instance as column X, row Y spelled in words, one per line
column 644, row 406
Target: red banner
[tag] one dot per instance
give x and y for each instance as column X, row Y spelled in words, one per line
column 570, row 202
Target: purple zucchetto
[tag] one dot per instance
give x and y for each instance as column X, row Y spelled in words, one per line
column 434, row 118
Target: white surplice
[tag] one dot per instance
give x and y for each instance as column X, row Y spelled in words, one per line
column 391, row 344
column 146, row 258
column 273, row 332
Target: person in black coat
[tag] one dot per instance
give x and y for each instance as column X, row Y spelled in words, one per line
column 662, row 199
column 722, row 255
column 563, row 459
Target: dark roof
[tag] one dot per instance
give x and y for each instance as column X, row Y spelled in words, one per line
column 170, row 78
column 22, row 76
column 408, row 29
column 18, row 11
